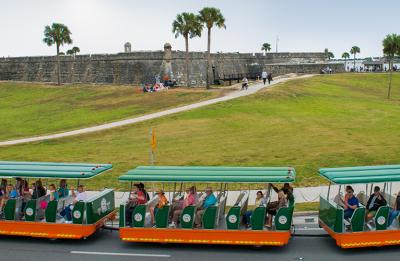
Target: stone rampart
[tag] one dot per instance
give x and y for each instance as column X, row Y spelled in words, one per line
column 143, row 67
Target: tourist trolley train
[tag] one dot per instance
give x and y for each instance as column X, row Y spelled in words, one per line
column 220, row 224
column 356, row 231
column 40, row 217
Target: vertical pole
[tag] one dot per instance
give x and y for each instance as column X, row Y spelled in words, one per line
column 329, row 190
column 151, row 149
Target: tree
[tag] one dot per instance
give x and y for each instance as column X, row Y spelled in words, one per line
column 73, row 51
column 210, row 17
column 345, row 56
column 266, row 47
column 391, row 47
column 354, row 50
column 59, row 35
column 330, row 55
column 188, row 25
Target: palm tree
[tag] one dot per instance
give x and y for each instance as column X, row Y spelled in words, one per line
column 354, row 50
column 73, row 51
column 345, row 56
column 211, row 17
column 266, row 47
column 330, row 55
column 188, row 25
column 59, row 35
column 391, row 47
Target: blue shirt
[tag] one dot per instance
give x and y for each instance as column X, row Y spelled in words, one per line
column 13, row 194
column 63, row 192
column 352, row 202
column 209, row 201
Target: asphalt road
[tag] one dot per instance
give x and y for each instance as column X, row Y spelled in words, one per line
column 105, row 245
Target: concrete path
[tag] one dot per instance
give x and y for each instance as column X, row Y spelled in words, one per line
column 233, row 95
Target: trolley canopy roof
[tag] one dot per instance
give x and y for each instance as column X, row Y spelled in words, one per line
column 210, row 174
column 9, row 169
column 367, row 174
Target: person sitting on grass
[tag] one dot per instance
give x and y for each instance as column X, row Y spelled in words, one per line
column 260, row 201
column 208, row 201
column 80, row 195
column 375, row 201
column 162, row 201
column 273, row 207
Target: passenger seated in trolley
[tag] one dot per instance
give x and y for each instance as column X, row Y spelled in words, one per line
column 10, row 193
column 137, row 196
column 162, row 201
column 350, row 202
column 63, row 190
column 38, row 190
column 375, row 201
column 260, row 202
column 80, row 195
column 273, row 207
column 189, row 200
column 209, row 200
column 395, row 211
column 287, row 189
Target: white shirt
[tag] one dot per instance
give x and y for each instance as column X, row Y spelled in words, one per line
column 264, row 74
column 81, row 196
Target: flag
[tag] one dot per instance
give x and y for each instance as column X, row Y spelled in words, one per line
column 153, row 140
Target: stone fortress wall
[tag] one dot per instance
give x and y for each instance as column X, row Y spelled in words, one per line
column 142, row 67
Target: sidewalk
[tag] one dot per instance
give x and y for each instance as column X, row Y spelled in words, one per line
column 233, row 95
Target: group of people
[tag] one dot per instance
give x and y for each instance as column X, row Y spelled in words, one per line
column 192, row 199
column 285, row 195
column 265, row 77
column 22, row 191
column 375, row 201
column 139, row 196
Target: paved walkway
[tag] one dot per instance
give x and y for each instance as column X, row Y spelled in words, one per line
column 233, row 95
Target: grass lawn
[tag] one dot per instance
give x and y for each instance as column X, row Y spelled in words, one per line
column 28, row 109
column 324, row 121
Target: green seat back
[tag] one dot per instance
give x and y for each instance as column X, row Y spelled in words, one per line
column 210, row 216
column 9, row 209
column 51, row 211
column 78, row 212
column 139, row 216
column 358, row 219
column 233, row 218
column 187, row 217
column 381, row 218
column 283, row 218
column 162, row 216
column 30, row 210
column 258, row 218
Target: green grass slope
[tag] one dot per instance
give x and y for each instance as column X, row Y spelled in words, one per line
column 28, row 109
column 324, row 121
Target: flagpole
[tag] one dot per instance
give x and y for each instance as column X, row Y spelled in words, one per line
column 151, row 147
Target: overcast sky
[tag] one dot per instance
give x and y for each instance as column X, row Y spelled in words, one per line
column 103, row 26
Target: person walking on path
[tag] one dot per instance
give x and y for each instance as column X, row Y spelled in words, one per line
column 264, row 76
column 270, row 78
column 245, row 83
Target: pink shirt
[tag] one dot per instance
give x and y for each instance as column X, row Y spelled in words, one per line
column 189, row 200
